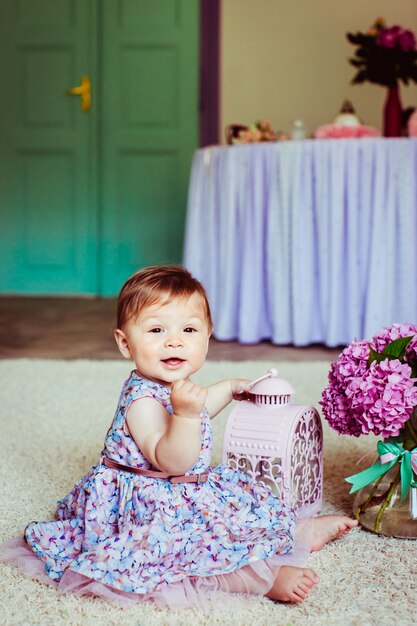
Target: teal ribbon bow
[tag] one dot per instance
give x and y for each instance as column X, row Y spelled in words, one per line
column 390, row 453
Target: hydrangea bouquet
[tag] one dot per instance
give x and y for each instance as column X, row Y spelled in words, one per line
column 372, row 389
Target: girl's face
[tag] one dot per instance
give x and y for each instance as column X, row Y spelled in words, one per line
column 168, row 341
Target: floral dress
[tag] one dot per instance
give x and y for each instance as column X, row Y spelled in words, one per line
column 145, row 538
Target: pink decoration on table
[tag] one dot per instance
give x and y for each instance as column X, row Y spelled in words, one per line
column 336, row 131
column 278, row 443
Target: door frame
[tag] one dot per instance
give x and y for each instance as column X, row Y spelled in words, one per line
column 209, row 96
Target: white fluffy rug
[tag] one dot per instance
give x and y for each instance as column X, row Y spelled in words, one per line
column 54, row 416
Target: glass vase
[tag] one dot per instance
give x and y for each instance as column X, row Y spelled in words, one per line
column 378, row 507
column 393, row 113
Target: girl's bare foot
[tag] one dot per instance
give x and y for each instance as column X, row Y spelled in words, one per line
column 292, row 584
column 329, row 527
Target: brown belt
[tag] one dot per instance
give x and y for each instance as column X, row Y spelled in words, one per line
column 184, row 478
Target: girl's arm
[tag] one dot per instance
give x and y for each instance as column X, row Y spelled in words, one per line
column 170, row 442
column 220, row 394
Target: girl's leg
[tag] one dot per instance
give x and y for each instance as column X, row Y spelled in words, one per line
column 292, row 584
column 326, row 528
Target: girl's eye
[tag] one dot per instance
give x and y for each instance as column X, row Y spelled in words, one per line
column 190, row 329
column 156, row 330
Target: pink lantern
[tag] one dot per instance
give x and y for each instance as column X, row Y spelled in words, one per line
column 278, row 443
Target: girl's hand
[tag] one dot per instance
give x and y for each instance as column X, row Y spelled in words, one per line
column 239, row 388
column 187, row 399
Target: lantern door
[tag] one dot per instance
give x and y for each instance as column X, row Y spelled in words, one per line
column 305, row 461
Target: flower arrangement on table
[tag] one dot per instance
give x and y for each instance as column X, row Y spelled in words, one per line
column 261, row 131
column 372, row 389
column 386, row 55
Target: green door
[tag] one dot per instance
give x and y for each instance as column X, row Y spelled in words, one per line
column 87, row 197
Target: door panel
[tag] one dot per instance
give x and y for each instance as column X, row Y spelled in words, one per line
column 50, row 247
column 152, row 67
column 137, row 175
column 43, row 13
column 149, row 98
column 48, row 219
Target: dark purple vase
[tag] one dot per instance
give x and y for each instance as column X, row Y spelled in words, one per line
column 392, row 113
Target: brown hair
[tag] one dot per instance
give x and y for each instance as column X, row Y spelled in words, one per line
column 151, row 284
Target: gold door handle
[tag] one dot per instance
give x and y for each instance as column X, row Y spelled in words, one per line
column 83, row 90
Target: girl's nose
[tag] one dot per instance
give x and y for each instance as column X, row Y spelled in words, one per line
column 174, row 341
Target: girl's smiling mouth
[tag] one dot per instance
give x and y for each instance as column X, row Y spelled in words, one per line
column 173, row 362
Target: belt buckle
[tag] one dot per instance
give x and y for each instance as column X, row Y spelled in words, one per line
column 198, row 479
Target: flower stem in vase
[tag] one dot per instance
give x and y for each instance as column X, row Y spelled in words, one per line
column 362, row 507
column 378, row 507
column 386, row 503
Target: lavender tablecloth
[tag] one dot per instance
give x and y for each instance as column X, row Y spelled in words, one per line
column 306, row 241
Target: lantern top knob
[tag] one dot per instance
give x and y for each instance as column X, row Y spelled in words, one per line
column 270, row 391
column 271, row 385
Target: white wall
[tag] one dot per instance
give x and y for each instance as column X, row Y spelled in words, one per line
column 288, row 59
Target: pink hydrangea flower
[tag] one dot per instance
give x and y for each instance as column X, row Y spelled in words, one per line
column 379, row 398
column 338, row 413
column 384, row 398
column 391, row 333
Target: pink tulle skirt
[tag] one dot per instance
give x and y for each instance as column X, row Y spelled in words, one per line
column 256, row 578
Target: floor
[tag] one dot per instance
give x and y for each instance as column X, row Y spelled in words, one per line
column 82, row 328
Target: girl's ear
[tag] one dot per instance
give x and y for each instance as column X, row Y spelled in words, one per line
column 122, row 343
